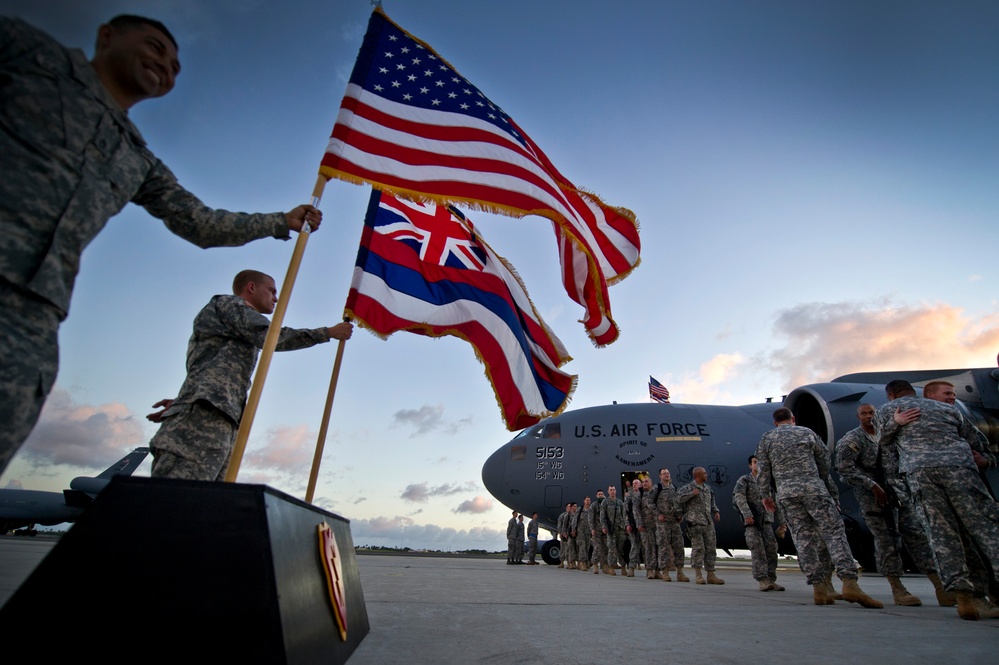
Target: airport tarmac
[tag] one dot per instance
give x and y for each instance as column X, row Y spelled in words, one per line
column 451, row 609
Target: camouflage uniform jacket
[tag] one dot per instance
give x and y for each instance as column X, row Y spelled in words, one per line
column 228, row 335
column 584, row 523
column 562, row 525
column 532, row 529
column 664, row 500
column 633, row 509
column 648, row 510
column 941, row 436
column 698, row 508
column 511, row 529
column 857, row 459
column 793, row 459
column 595, row 522
column 612, row 514
column 746, row 498
column 72, row 159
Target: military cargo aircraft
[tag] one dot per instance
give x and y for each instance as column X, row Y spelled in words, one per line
column 571, row 456
column 28, row 508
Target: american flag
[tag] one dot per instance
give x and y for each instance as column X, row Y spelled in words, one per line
column 410, row 124
column 658, row 391
column 467, row 291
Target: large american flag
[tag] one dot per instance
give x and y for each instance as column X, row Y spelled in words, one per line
column 465, row 290
column 410, row 124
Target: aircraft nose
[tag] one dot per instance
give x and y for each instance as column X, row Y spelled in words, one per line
column 494, row 473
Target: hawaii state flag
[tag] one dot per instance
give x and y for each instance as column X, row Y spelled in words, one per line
column 410, row 124
column 425, row 269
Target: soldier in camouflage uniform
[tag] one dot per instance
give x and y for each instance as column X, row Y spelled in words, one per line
column 701, row 512
column 198, row 428
column 518, row 541
column 982, row 578
column 935, row 443
column 511, row 536
column 793, row 460
column 571, row 523
column 633, row 525
column 669, row 538
column 72, row 159
column 759, row 527
column 598, row 558
column 648, row 532
column 612, row 521
column 562, row 529
column 859, row 463
column 532, row 539
column 584, row 527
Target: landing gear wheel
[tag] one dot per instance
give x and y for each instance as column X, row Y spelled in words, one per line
column 550, row 552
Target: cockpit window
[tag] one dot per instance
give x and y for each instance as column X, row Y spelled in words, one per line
column 533, row 432
column 552, row 431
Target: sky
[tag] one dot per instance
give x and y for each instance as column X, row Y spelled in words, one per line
column 815, row 185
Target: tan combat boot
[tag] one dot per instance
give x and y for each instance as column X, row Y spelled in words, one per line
column 596, row 568
column 650, row 574
column 852, row 593
column 966, row 606
column 664, row 575
column 776, row 586
column 714, row 579
column 820, row 596
column 901, row 594
column 610, row 571
column 830, row 589
column 944, row 598
column 767, row 585
column 630, row 571
column 680, row 577
column 698, row 577
column 986, row 610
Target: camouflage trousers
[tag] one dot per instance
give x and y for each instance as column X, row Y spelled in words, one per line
column 511, row 548
column 194, row 443
column 29, row 360
column 891, row 529
column 669, row 544
column 583, row 546
column 570, row 549
column 615, row 547
column 532, row 548
column 953, row 502
column 599, row 555
column 818, row 533
column 518, row 549
column 563, row 548
column 635, row 549
column 648, row 537
column 762, row 545
column 703, row 543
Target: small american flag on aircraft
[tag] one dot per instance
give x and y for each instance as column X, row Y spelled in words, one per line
column 658, row 391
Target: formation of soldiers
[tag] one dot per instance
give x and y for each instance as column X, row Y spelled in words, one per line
column 916, row 465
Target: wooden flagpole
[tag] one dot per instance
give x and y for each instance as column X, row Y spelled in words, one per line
column 270, row 342
column 321, row 441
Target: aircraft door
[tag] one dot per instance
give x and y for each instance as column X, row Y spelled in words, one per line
column 553, row 496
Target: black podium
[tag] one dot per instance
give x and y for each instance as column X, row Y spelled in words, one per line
column 181, row 571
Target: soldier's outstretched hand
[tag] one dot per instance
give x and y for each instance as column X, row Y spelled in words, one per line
column 157, row 416
column 304, row 213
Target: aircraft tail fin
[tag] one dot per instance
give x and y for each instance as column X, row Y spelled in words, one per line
column 126, row 466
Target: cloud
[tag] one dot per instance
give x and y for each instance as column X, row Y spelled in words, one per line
column 400, row 531
column 825, row 340
column 816, row 342
column 421, row 492
column 81, row 435
column 479, row 504
column 428, row 419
